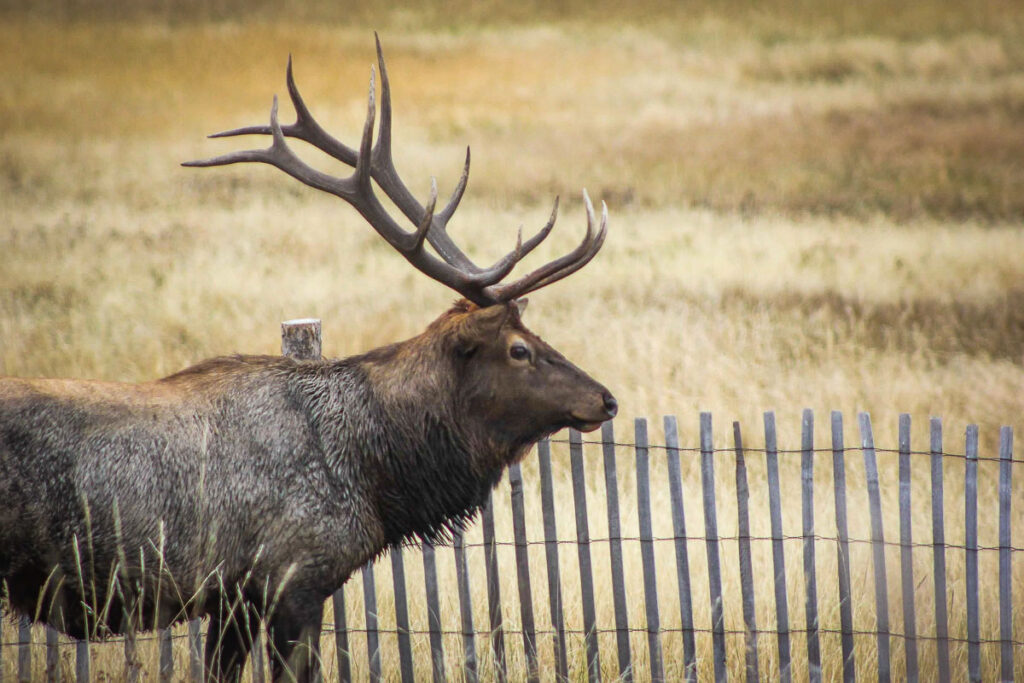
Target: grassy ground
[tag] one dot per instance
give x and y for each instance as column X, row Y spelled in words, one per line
column 810, row 205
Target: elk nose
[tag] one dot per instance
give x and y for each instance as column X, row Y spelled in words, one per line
column 611, row 406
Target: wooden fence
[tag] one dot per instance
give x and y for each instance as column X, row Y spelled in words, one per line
column 666, row 603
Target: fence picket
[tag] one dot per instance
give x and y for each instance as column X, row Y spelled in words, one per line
column 907, row 552
column 469, row 671
column 611, row 488
column 497, row 634
column 939, row 554
column 675, row 487
column 746, row 565
column 971, row 544
column 643, row 502
column 166, row 655
column 195, row 651
column 370, row 614
column 82, row 661
column 810, row 578
column 433, row 613
column 547, row 496
column 1005, row 555
column 579, row 495
column 401, row 615
column 52, row 655
column 843, row 548
column 24, row 650
column 778, row 550
column 342, row 653
column 877, row 546
column 707, row 476
column 515, row 480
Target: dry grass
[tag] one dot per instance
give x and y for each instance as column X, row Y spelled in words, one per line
column 811, row 206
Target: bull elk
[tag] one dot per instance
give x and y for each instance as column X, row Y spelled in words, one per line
column 251, row 487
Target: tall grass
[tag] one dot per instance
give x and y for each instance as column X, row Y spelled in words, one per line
column 811, row 205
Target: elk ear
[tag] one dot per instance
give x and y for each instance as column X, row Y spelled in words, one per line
column 520, row 305
column 481, row 326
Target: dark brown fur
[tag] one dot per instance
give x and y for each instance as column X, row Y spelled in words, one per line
column 254, row 486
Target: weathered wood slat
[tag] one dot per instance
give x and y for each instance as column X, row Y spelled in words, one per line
column 343, row 654
column 469, row 669
column 132, row 665
column 372, row 622
column 1005, row 554
column 611, row 487
column 746, row 565
column 166, row 655
column 778, row 550
column 529, row 632
column 843, row 548
column 971, row 543
column 707, row 476
column 497, row 638
column 907, row 552
column 810, row 576
column 24, row 650
column 82, row 661
column 579, row 495
column 643, row 500
column 675, row 487
column 877, row 547
column 939, row 554
column 195, row 650
column 52, row 655
column 433, row 614
column 547, row 498
column 401, row 615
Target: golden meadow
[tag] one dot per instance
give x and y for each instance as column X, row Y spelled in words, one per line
column 812, row 205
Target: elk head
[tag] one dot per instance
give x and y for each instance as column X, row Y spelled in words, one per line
column 515, row 377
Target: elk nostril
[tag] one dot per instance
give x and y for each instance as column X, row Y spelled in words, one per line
column 610, row 404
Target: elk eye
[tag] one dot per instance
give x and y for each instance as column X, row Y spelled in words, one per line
column 519, row 352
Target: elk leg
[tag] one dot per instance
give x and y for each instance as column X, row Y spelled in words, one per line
column 228, row 641
column 295, row 651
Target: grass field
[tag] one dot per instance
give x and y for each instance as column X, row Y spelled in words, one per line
column 811, row 205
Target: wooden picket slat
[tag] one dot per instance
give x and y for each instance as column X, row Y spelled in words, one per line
column 939, row 554
column 643, row 501
column 1005, row 554
column 52, row 655
column 810, row 576
column 433, row 613
column 675, row 487
column 342, row 652
column 24, row 650
column 370, row 615
column 529, row 631
column 401, row 615
column 907, row 552
column 579, row 495
column 166, row 655
column 547, row 498
column 778, row 550
column 611, row 487
column 707, row 477
column 843, row 548
column 469, row 670
column 877, row 547
column 195, row 651
column 82, row 661
column 497, row 637
column 746, row 565
column 971, row 544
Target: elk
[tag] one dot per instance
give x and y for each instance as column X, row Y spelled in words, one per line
column 249, row 488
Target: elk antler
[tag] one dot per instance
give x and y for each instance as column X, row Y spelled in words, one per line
column 374, row 161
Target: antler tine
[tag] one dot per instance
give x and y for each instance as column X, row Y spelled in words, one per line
column 563, row 266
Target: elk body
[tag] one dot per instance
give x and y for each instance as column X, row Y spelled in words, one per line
column 251, row 487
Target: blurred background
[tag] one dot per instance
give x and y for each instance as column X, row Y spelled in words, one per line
column 812, row 204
